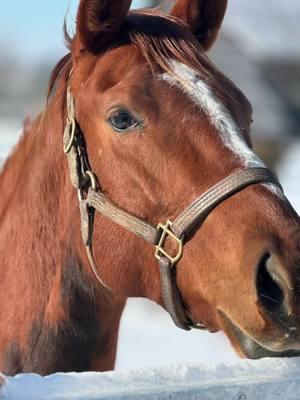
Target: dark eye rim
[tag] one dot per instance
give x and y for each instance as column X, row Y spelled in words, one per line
column 137, row 121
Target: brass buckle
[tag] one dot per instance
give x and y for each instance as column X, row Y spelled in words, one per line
column 160, row 251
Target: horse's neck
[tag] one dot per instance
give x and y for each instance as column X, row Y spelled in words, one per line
column 33, row 189
column 32, row 167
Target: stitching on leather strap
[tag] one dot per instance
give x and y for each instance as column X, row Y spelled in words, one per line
column 220, row 192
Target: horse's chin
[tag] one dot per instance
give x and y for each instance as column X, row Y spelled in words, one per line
column 247, row 347
column 253, row 350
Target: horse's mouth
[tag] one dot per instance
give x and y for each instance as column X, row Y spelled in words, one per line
column 250, row 348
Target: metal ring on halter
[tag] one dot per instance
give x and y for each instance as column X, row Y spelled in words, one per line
column 72, row 123
column 93, row 181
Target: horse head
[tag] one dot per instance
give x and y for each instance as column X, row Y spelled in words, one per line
column 163, row 125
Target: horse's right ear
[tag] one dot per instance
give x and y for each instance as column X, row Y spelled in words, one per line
column 98, row 21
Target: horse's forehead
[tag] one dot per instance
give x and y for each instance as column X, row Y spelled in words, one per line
column 126, row 63
column 123, row 67
column 120, row 61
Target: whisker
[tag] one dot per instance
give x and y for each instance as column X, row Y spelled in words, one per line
column 269, row 298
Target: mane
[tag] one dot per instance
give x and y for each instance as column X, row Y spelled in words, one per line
column 160, row 38
column 64, row 66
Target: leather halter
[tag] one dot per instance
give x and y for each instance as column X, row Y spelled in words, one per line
column 92, row 199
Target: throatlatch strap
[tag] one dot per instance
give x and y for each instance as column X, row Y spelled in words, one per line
column 133, row 224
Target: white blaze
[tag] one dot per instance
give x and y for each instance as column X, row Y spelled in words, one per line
column 200, row 93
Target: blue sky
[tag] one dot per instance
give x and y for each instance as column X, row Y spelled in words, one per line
column 33, row 28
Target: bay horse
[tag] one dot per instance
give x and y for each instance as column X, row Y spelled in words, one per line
column 149, row 124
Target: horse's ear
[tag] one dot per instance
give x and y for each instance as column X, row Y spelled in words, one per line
column 205, row 18
column 98, row 21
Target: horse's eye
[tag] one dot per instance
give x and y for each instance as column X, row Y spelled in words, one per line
column 122, row 121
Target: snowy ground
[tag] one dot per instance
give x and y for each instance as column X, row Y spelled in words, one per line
column 266, row 379
column 148, row 337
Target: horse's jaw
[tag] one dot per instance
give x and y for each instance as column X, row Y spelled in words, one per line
column 248, row 347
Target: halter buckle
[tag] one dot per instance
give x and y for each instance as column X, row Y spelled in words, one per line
column 160, row 251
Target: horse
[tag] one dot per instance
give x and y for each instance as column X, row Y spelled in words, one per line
column 139, row 180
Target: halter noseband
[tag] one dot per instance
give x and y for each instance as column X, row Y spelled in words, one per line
column 92, row 199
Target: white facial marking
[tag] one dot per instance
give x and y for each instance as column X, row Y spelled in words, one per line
column 200, row 93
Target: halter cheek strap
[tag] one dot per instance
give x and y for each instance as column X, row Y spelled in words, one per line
column 92, row 199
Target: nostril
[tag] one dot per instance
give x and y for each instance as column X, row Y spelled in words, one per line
column 270, row 294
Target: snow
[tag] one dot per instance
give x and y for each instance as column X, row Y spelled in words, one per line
column 241, row 380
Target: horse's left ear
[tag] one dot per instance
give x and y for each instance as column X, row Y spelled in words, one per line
column 205, row 18
column 98, row 22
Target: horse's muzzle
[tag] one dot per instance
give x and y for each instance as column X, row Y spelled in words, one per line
column 278, row 302
column 250, row 348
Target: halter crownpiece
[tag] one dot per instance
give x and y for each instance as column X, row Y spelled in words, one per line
column 92, row 199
